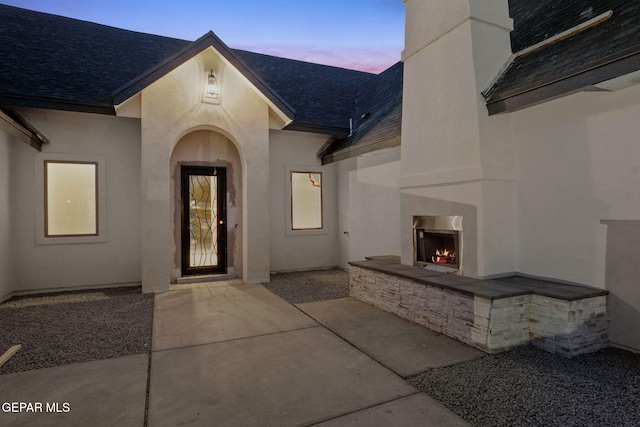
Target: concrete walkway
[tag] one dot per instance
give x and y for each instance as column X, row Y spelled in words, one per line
column 230, row 354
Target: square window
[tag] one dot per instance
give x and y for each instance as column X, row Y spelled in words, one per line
column 306, row 200
column 71, row 199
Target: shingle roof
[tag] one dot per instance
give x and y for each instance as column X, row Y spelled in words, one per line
column 319, row 94
column 535, row 21
column 55, row 62
column 598, row 53
column 377, row 119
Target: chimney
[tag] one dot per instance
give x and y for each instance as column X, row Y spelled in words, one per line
column 452, row 151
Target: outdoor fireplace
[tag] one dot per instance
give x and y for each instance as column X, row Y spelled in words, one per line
column 437, row 243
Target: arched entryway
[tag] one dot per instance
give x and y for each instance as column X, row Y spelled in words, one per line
column 206, row 189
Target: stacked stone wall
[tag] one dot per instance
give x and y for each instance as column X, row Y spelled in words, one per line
column 569, row 328
column 500, row 324
column 441, row 310
column 492, row 325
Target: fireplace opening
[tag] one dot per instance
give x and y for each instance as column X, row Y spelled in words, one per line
column 438, row 243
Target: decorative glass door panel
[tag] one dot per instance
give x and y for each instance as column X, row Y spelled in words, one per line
column 203, row 220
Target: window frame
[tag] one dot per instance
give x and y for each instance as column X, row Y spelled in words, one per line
column 47, row 213
column 289, row 230
column 42, row 236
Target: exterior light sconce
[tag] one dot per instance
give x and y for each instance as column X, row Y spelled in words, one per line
column 211, row 89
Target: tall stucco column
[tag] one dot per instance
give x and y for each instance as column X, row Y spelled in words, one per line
column 162, row 122
column 452, row 151
column 256, row 262
column 155, row 213
column 454, row 49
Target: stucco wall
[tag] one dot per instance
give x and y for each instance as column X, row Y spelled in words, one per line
column 369, row 206
column 7, row 279
column 622, row 273
column 116, row 261
column 578, row 208
column 300, row 250
column 579, row 163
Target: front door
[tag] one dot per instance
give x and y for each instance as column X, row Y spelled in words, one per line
column 204, row 230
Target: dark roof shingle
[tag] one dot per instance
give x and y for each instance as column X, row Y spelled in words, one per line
column 604, row 51
column 55, row 62
column 319, row 94
column 377, row 118
column 50, row 60
column 536, row 21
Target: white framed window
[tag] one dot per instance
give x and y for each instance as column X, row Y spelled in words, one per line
column 70, row 199
column 305, row 201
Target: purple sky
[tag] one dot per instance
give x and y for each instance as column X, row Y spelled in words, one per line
column 366, row 35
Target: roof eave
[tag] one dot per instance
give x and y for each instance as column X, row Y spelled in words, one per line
column 576, row 80
column 22, row 128
column 388, row 141
column 315, row 128
column 58, row 104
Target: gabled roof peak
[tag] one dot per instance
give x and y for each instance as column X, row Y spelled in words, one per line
column 209, row 39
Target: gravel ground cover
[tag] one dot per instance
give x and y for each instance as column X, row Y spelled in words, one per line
column 530, row 387
column 309, row 286
column 522, row 387
column 62, row 328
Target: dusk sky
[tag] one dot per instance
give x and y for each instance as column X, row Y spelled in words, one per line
column 365, row 35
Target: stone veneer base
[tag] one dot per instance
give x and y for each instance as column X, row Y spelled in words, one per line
column 490, row 323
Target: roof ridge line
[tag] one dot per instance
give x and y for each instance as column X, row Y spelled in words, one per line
column 302, row 61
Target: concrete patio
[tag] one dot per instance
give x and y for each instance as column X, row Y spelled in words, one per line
column 232, row 354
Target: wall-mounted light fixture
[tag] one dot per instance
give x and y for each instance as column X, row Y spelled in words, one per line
column 211, row 89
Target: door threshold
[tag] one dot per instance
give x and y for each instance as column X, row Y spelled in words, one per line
column 187, row 280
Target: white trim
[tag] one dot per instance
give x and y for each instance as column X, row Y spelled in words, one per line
column 499, row 74
column 131, row 107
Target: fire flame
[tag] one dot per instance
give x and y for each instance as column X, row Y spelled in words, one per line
column 444, row 256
